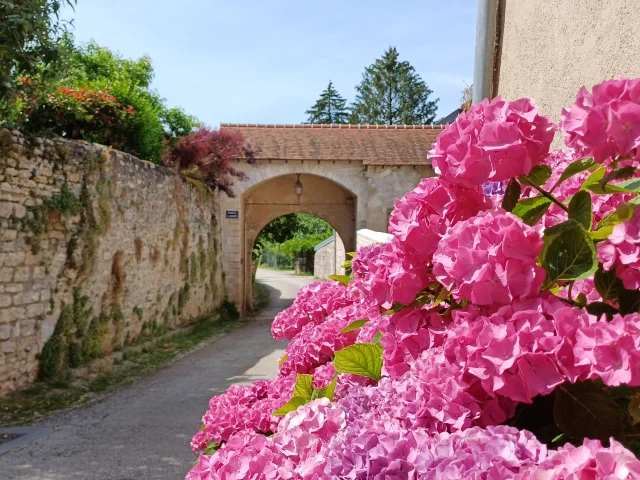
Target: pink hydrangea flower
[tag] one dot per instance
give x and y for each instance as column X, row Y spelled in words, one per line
column 621, row 251
column 421, row 217
column 313, row 303
column 490, row 259
column 316, row 344
column 493, row 453
column 604, row 123
column 588, row 461
column 493, row 141
column 244, row 408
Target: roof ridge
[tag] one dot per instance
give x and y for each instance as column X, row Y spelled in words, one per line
column 331, row 126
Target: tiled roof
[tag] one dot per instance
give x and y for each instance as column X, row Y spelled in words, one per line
column 370, row 144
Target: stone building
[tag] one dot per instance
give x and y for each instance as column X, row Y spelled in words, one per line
column 329, row 254
column 350, row 177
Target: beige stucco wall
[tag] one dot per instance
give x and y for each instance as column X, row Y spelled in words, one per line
column 550, row 48
column 385, row 184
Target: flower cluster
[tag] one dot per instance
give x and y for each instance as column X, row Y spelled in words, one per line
column 494, row 141
column 605, row 123
column 313, row 303
column 471, row 345
column 243, row 407
column 490, row 259
column 590, row 460
column 621, row 251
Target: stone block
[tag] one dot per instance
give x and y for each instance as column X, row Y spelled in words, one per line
column 11, row 172
column 27, row 327
column 45, row 295
column 22, row 274
column 31, row 259
column 13, row 259
column 13, row 287
column 25, row 298
column 8, row 247
column 6, row 274
column 39, row 273
column 6, row 209
column 5, row 300
column 19, row 210
column 8, row 346
column 36, row 309
column 5, row 331
column 8, row 235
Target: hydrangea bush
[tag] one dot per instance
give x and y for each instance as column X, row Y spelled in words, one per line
column 496, row 336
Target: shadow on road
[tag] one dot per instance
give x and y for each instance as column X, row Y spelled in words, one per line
column 143, row 431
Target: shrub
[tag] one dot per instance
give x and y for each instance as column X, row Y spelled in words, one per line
column 80, row 113
column 492, row 337
column 207, row 155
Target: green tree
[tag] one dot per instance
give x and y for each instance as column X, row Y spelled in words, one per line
column 154, row 124
column 310, row 225
column 391, row 93
column 330, row 108
column 73, row 104
column 30, row 31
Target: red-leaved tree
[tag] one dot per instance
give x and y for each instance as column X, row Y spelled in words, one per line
column 208, row 155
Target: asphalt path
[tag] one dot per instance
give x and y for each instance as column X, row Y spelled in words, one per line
column 143, row 431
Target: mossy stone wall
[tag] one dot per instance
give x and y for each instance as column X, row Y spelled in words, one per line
column 98, row 250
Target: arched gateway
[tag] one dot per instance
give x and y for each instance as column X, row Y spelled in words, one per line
column 350, row 177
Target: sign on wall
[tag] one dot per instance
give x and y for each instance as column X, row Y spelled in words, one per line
column 232, row 213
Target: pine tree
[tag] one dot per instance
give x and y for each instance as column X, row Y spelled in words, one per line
column 391, row 93
column 330, row 108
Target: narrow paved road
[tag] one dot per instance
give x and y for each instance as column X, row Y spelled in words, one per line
column 143, row 431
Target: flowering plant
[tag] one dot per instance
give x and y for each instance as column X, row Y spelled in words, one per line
column 79, row 113
column 497, row 335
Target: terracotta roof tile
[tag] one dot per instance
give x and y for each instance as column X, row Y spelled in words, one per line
column 370, row 144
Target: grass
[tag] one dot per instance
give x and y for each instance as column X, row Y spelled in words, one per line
column 43, row 399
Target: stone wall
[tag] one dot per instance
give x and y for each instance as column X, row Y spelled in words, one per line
column 324, row 256
column 98, row 250
column 327, row 260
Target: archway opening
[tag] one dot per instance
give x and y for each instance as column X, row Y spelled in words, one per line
column 302, row 243
column 297, row 194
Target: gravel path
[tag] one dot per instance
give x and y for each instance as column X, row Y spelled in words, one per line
column 143, row 431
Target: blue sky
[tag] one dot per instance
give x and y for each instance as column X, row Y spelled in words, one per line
column 267, row 61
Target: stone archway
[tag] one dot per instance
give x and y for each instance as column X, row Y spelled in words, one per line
column 275, row 197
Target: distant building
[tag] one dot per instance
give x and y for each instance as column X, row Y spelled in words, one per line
column 449, row 118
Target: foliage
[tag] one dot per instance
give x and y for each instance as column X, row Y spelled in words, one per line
column 289, row 226
column 30, row 31
column 493, row 346
column 391, row 93
column 279, row 229
column 207, row 155
column 99, row 96
column 329, row 108
column 36, row 222
column 310, row 225
column 302, row 245
column 82, row 113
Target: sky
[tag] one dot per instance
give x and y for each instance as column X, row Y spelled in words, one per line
column 267, row 61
